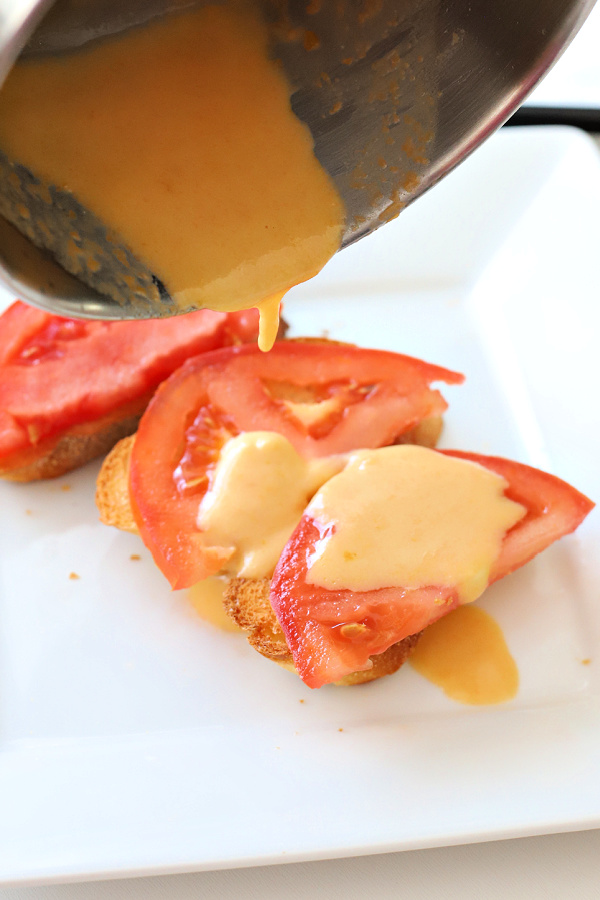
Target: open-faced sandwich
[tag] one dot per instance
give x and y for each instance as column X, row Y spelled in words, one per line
column 70, row 389
column 307, row 478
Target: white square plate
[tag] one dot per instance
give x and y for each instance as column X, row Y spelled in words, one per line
column 135, row 738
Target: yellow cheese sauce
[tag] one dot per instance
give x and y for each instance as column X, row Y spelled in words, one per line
column 262, row 485
column 180, row 137
column 207, row 599
column 409, row 517
column 259, row 491
column 466, row 655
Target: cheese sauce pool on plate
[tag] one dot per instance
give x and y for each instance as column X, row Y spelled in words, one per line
column 465, row 654
column 180, row 137
column 207, row 599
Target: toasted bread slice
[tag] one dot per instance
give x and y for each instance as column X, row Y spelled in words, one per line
column 246, row 600
column 128, row 359
column 112, row 488
column 72, row 449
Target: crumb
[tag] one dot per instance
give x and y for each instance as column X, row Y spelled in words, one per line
column 135, row 557
column 585, row 662
column 28, row 512
column 340, row 729
column 300, row 701
column 74, row 576
column 65, row 487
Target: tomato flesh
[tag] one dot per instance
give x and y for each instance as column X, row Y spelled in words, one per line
column 57, row 372
column 315, row 620
column 372, row 398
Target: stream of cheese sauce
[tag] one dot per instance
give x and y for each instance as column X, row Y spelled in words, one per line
column 409, row 517
column 180, row 137
column 466, row 655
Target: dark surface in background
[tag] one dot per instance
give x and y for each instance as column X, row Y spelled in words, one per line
column 585, row 118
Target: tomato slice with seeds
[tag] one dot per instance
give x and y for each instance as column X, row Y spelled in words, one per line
column 324, row 398
column 57, row 372
column 333, row 633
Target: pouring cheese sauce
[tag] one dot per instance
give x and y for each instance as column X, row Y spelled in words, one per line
column 180, row 137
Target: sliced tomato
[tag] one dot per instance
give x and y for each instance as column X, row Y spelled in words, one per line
column 57, row 372
column 367, row 398
column 316, row 621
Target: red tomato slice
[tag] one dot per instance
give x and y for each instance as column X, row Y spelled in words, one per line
column 57, row 372
column 314, row 619
column 370, row 397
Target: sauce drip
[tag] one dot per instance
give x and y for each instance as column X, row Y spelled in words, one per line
column 180, row 137
column 465, row 654
column 207, row 599
column 269, row 321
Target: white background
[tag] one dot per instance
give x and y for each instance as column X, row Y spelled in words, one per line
column 575, row 79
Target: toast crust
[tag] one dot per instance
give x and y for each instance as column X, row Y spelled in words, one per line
column 246, row 601
column 73, row 448
column 112, row 487
column 55, row 456
column 78, row 445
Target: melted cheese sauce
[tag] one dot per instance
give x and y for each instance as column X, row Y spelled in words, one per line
column 409, row 517
column 260, row 489
column 207, row 599
column 180, row 137
column 465, row 654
